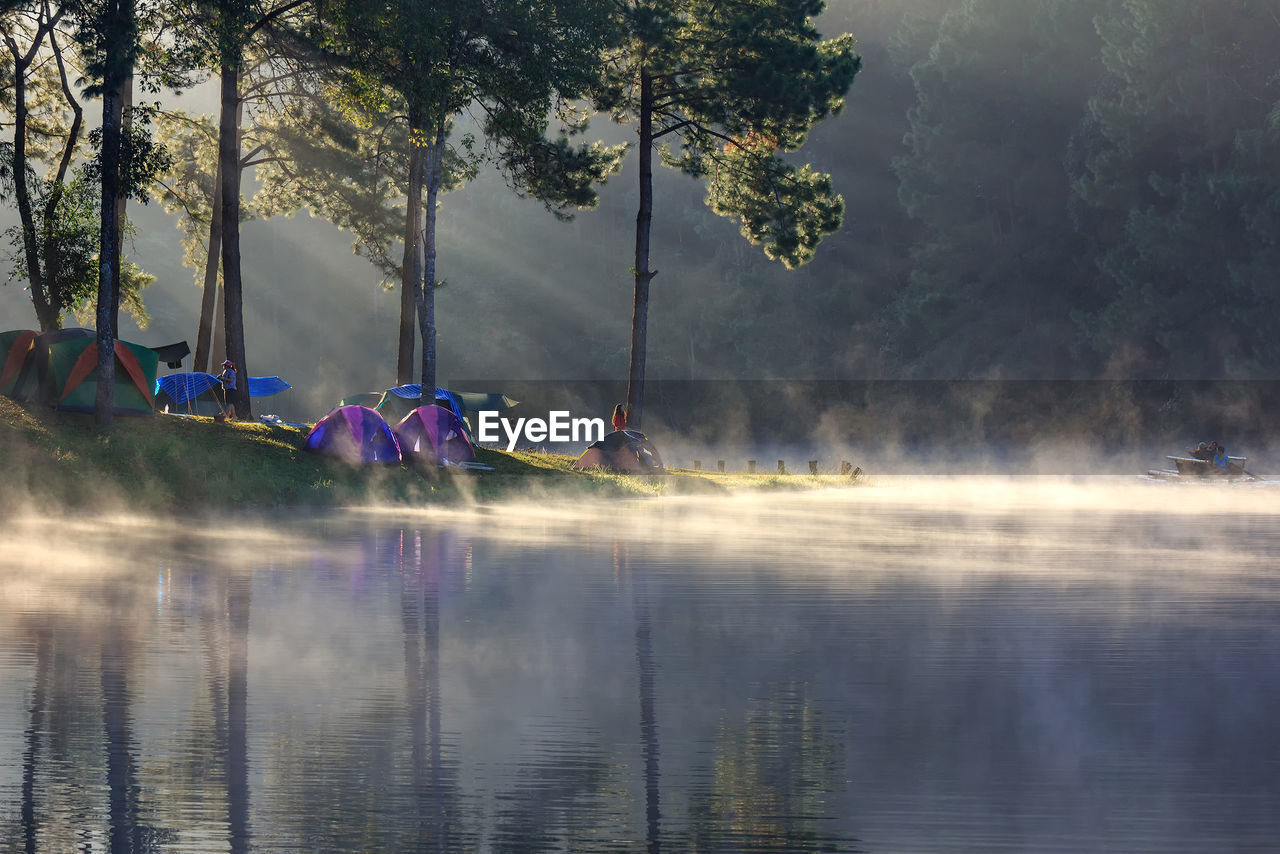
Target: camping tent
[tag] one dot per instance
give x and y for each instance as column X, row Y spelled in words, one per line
column 434, row 434
column 193, row 391
column 627, row 451
column 17, row 353
column 398, row 402
column 484, row 401
column 356, row 434
column 475, row 402
column 27, row 375
column 370, row 399
column 71, row 381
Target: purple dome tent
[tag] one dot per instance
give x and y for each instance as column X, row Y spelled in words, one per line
column 356, row 434
column 434, row 434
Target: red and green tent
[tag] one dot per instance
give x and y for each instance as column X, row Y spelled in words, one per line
column 17, row 350
column 73, row 376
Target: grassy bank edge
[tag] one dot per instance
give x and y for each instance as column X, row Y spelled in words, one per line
column 175, row 465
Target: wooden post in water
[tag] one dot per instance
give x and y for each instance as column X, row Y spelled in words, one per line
column 813, row 466
column 845, row 467
column 782, row 467
column 751, row 466
column 697, row 465
column 719, row 465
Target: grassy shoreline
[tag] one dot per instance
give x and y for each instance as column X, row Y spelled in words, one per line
column 177, row 466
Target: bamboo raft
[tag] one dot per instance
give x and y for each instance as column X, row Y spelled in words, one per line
column 1190, row 468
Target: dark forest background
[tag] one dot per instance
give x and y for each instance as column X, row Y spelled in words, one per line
column 1035, row 189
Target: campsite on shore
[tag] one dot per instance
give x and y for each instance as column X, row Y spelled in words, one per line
column 171, row 465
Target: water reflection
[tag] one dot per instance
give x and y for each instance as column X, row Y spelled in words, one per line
column 806, row 673
column 434, row 787
column 645, row 680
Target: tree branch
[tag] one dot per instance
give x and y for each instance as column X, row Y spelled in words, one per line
column 249, row 154
column 274, row 14
column 673, row 128
column 73, row 135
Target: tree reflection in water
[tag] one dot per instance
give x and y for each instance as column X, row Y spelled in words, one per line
column 770, row 777
column 645, row 673
column 32, row 736
column 239, row 599
column 144, row 682
column 420, row 565
column 128, row 833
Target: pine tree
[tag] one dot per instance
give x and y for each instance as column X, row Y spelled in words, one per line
column 220, row 36
column 510, row 64
column 731, row 84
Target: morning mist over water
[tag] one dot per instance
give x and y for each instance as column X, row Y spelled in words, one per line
column 984, row 296
column 923, row 665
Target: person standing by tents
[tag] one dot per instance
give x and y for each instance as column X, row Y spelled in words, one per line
column 619, row 417
column 228, row 380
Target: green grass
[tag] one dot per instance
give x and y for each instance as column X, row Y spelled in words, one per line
column 169, row 464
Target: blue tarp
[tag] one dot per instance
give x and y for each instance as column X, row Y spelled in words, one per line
column 266, row 386
column 413, row 391
column 191, row 384
column 185, row 386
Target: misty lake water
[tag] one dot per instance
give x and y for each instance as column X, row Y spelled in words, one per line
column 929, row 665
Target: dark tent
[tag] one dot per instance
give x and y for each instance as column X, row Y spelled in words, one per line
column 433, row 434
column 626, row 451
column 484, row 401
column 32, row 380
column 173, row 354
column 370, row 399
column 17, row 358
column 356, row 434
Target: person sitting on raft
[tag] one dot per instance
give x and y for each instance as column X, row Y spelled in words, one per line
column 1219, row 455
column 1202, row 452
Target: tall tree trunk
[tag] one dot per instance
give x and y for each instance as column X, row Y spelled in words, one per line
column 229, row 158
column 427, row 293
column 125, row 94
column 411, row 264
column 209, row 300
column 108, row 258
column 46, row 315
column 51, row 259
column 220, row 328
column 640, row 312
